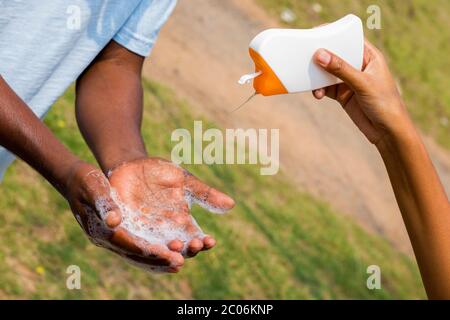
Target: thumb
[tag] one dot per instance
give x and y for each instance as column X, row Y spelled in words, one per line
column 207, row 197
column 339, row 68
column 99, row 197
column 108, row 211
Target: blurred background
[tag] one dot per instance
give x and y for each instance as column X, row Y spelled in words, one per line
column 309, row 232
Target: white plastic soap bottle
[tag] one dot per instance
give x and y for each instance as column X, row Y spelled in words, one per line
column 284, row 57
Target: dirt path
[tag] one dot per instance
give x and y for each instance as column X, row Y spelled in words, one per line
column 201, row 53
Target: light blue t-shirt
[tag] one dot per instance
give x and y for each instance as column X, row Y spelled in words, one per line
column 46, row 44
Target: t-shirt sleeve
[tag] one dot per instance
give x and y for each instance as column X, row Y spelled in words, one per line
column 140, row 31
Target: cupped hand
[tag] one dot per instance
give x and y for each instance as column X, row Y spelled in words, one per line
column 155, row 197
column 89, row 195
column 369, row 96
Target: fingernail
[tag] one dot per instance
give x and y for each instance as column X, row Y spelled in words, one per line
column 323, row 57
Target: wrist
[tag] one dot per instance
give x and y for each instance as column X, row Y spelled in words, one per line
column 64, row 173
column 399, row 138
column 118, row 157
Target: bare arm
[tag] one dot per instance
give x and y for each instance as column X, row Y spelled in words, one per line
column 371, row 99
column 109, row 113
column 80, row 183
column 424, row 206
column 25, row 135
column 109, row 106
column 84, row 186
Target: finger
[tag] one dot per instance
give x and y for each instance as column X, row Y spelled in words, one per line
column 153, row 265
column 174, row 259
column 361, row 121
column 343, row 94
column 173, row 269
column 370, row 51
column 207, row 197
column 122, row 239
column 208, row 242
column 339, row 68
column 175, row 245
column 149, row 261
column 331, row 91
column 98, row 196
column 105, row 206
column 319, row 93
column 194, row 246
column 113, row 219
column 367, row 56
column 137, row 247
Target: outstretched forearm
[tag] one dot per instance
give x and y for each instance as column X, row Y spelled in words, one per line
column 109, row 107
column 424, row 206
column 22, row 133
column 371, row 99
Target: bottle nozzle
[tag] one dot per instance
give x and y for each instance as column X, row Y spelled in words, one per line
column 246, row 78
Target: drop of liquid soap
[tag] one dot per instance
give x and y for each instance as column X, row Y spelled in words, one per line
column 245, row 102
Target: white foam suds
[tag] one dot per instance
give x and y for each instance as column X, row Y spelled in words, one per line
column 190, row 199
column 155, row 228
column 168, row 220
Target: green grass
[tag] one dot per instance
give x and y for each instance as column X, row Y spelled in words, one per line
column 277, row 242
column 415, row 37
